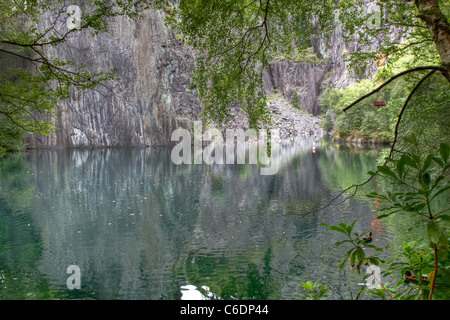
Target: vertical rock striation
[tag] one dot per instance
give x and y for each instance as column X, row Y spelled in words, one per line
column 142, row 108
column 303, row 77
column 152, row 96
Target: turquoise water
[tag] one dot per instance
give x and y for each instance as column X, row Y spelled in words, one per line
column 140, row 227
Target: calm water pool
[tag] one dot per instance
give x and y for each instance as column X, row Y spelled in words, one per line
column 140, row 227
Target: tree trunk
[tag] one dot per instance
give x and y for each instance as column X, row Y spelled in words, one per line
column 439, row 28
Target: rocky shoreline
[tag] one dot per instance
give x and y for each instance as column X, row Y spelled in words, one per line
column 291, row 121
column 359, row 142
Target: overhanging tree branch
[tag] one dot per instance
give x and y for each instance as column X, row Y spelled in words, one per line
column 435, row 68
column 405, row 104
column 429, row 74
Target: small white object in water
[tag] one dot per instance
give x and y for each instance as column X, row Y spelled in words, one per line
column 190, row 292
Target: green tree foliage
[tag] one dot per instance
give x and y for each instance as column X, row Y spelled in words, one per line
column 399, row 27
column 296, row 101
column 10, row 137
column 237, row 39
column 364, row 122
column 327, row 123
column 234, row 41
column 427, row 117
column 417, row 184
column 427, row 112
column 315, row 291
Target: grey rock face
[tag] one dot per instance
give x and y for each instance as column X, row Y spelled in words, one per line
column 150, row 100
column 305, row 78
column 152, row 97
column 310, row 80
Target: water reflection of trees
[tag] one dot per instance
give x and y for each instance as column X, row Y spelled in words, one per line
column 20, row 244
column 140, row 227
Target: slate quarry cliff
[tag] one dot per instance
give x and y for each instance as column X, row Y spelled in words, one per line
column 144, row 106
column 152, row 96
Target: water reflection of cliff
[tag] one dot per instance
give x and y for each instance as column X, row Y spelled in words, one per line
column 140, row 227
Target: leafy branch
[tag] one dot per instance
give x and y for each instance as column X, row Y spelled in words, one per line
column 356, row 255
column 417, row 181
column 396, row 129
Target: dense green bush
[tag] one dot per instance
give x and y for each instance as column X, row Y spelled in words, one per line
column 10, row 137
column 327, row 123
column 364, row 121
column 296, row 101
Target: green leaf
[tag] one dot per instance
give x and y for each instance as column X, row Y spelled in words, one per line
column 418, row 207
column 360, row 254
column 336, row 228
column 437, row 181
column 445, row 217
column 353, row 257
column 426, row 178
column 407, row 160
column 411, row 139
column 446, row 273
column 427, row 162
column 443, row 246
column 347, row 254
column 440, row 191
column 415, row 161
column 434, row 231
column 374, row 247
column 385, row 215
column 376, row 195
column 343, row 226
column 349, row 227
column 307, row 285
column 375, row 261
column 386, row 171
column 444, row 150
column 439, row 161
column 401, row 166
column 337, row 244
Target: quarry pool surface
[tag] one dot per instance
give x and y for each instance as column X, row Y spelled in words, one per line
column 138, row 226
